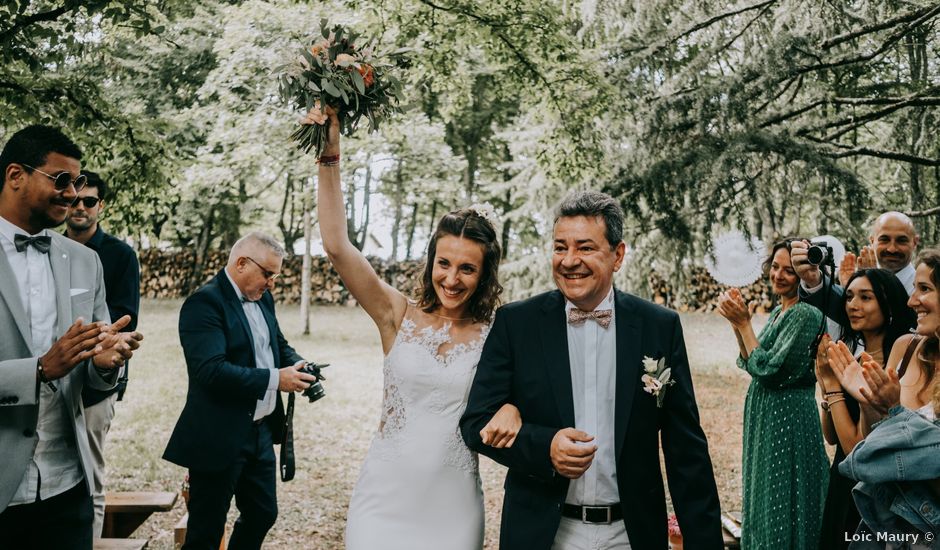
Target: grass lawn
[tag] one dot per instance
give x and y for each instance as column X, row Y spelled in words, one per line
column 332, row 435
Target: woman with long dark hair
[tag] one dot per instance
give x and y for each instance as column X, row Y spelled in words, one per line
column 784, row 460
column 419, row 486
column 876, row 315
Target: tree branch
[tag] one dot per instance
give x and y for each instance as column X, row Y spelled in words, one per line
column 890, row 155
column 923, row 213
column 22, row 23
column 845, row 37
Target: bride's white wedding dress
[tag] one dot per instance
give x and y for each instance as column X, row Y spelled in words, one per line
column 419, row 488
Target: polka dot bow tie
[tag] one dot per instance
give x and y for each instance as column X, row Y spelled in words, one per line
column 602, row 316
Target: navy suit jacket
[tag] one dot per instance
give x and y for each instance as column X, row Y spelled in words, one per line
column 224, row 385
column 525, row 362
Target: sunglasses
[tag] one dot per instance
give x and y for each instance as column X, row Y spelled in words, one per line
column 87, row 202
column 62, row 180
column 269, row 275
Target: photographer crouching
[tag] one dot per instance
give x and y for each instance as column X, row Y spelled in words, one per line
column 237, row 361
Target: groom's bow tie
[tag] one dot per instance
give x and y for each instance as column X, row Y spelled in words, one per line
column 602, row 316
column 40, row 242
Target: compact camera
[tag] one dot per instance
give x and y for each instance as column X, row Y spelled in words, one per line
column 315, row 391
column 820, row 253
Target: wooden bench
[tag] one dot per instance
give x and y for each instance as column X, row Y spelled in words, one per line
column 731, row 529
column 120, row 544
column 179, row 532
column 125, row 512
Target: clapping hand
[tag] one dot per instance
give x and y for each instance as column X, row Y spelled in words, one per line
column 846, row 268
column 824, row 373
column 502, row 429
column 866, row 258
column 848, row 370
column 732, row 307
column 885, row 387
column 116, row 347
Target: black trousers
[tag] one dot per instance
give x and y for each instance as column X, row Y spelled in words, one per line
column 251, row 479
column 64, row 521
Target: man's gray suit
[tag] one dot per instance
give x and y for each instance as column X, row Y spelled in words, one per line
column 79, row 285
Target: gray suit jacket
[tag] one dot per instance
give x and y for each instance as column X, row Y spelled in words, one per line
column 79, row 285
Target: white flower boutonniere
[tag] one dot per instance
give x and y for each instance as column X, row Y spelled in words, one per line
column 656, row 378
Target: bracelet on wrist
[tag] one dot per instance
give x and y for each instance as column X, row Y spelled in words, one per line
column 42, row 375
column 840, row 392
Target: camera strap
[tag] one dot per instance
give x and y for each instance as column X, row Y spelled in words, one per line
column 287, row 444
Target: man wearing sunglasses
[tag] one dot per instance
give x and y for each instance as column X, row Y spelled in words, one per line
column 55, row 338
column 122, row 282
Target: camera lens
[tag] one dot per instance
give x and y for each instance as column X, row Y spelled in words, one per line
column 816, row 255
column 315, row 391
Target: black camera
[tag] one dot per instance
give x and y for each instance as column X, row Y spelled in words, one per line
column 820, row 253
column 315, row 391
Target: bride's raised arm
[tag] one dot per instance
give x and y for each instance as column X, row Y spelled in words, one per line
column 381, row 301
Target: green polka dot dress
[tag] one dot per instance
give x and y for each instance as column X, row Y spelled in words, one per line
column 786, row 470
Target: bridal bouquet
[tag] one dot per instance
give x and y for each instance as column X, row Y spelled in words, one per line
column 337, row 70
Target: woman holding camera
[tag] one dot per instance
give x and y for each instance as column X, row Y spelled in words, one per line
column 785, row 467
column 419, row 486
column 875, row 316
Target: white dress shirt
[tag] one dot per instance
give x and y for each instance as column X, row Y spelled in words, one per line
column 592, row 352
column 264, row 356
column 55, row 467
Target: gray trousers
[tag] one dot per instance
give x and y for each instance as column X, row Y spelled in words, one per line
column 98, row 421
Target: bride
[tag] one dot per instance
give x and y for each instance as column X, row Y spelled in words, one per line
column 419, row 487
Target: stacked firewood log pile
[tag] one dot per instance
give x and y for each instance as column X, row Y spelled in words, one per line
column 701, row 292
column 165, row 275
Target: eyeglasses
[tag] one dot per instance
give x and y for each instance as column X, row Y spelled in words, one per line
column 63, row 179
column 87, row 202
column 269, row 275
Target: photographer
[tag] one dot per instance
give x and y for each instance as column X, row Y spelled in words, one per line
column 237, row 361
column 893, row 243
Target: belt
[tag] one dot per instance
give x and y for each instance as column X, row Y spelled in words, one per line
column 593, row 514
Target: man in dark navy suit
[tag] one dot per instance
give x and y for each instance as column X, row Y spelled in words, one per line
column 584, row 468
column 237, row 361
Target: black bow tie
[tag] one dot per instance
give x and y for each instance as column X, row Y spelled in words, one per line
column 40, row 243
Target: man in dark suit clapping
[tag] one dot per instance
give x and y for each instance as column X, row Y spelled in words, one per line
column 237, row 361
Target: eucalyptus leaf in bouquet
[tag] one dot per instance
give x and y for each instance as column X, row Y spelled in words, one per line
column 341, row 69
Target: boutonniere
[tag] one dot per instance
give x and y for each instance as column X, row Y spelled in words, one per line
column 656, row 378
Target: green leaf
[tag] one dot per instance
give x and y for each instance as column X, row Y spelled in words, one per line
column 329, row 87
column 325, row 28
column 358, row 82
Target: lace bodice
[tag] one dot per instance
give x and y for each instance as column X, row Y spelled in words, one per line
column 427, row 381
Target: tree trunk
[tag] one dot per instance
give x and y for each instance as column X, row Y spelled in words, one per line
column 411, row 230
column 433, row 218
column 305, row 270
column 199, row 259
column 363, row 231
column 396, row 204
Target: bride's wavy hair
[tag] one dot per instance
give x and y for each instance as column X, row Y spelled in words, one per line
column 468, row 224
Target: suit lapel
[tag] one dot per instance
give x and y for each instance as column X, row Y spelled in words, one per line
column 62, row 275
column 235, row 306
column 63, row 283
column 11, row 295
column 270, row 321
column 629, row 359
column 554, row 334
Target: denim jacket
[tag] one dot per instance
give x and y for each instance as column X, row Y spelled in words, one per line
column 891, row 464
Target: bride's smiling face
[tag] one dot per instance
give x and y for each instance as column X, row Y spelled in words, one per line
column 458, row 265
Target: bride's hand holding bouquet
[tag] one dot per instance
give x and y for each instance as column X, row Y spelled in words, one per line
column 336, row 75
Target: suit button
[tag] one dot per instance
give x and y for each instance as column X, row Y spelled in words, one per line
column 27, row 433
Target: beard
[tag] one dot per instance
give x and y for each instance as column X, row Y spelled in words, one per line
column 79, row 224
column 43, row 218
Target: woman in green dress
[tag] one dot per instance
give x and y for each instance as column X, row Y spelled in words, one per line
column 785, row 465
